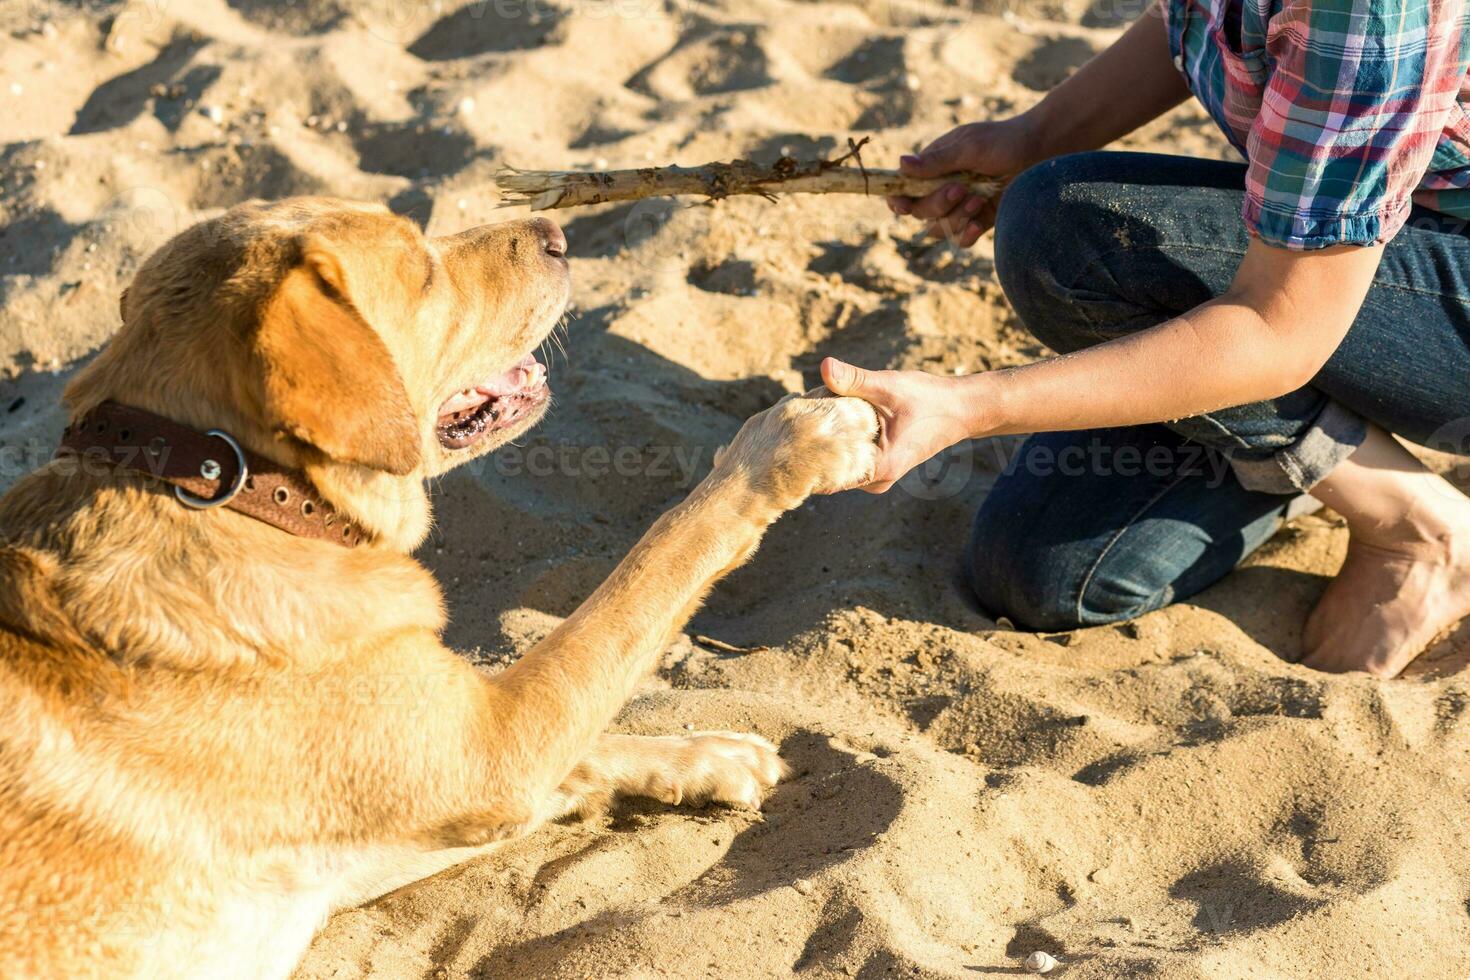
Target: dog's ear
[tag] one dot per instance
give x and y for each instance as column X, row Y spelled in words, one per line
column 329, row 378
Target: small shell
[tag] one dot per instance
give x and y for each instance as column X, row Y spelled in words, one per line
column 802, row 886
column 1041, row 962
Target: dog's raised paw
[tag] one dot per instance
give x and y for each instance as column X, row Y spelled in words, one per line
column 850, row 429
column 806, row 444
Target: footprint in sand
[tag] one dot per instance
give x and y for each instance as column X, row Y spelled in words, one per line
column 484, row 28
column 721, row 61
column 1052, row 61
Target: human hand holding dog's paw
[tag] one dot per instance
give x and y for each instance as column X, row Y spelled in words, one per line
column 806, row 444
column 921, row 415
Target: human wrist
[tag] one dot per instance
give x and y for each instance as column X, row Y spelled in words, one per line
column 987, row 404
column 1035, row 132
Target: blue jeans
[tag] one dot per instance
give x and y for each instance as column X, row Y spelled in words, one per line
column 1085, row 528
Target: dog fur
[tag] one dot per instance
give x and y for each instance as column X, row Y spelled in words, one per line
column 216, row 733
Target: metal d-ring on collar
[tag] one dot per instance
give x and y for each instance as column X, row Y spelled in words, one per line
column 210, row 470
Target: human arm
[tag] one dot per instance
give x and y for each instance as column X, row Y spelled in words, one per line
column 1268, row 334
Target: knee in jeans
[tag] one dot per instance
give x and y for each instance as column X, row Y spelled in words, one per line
column 1027, row 210
column 1035, row 266
column 1030, row 602
column 1031, row 596
column 1048, row 587
column 1051, row 196
column 1016, row 579
column 1105, row 599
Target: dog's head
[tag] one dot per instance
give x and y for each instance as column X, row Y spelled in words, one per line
column 339, row 338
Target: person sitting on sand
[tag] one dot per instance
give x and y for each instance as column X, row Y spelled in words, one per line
column 1285, row 314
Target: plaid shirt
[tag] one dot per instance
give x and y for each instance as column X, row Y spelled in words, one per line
column 1348, row 111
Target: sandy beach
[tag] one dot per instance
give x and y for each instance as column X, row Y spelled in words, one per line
column 1169, row 798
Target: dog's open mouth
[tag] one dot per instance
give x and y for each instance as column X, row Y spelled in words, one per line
column 494, row 404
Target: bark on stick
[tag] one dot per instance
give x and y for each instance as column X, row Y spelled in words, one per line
column 545, row 189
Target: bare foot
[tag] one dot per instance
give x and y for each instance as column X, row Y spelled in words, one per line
column 1386, row 606
column 1406, row 577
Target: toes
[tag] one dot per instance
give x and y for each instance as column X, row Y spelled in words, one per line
column 762, row 759
column 1329, row 659
column 735, row 768
column 837, row 437
column 1315, row 660
column 848, row 438
column 863, row 416
column 746, row 794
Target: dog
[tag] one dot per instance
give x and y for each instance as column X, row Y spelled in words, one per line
column 225, row 719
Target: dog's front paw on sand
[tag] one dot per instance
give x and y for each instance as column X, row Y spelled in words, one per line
column 733, row 768
column 809, row 444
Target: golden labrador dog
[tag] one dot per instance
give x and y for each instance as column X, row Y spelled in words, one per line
column 221, row 724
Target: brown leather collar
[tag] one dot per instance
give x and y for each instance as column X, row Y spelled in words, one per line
column 207, row 470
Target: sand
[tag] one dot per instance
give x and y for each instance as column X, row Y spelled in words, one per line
column 1171, row 798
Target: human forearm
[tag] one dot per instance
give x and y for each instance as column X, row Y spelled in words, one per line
column 1269, row 334
column 1272, row 330
column 1129, row 84
column 1218, row 355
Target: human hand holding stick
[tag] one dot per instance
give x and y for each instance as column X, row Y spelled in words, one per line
column 546, row 189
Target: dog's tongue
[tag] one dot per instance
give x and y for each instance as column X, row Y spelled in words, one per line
column 527, row 373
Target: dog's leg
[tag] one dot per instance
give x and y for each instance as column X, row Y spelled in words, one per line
column 544, row 713
column 733, row 768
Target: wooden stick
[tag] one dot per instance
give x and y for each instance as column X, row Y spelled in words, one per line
column 545, row 189
column 722, row 646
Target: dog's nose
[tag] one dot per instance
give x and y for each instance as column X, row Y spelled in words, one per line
column 554, row 239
